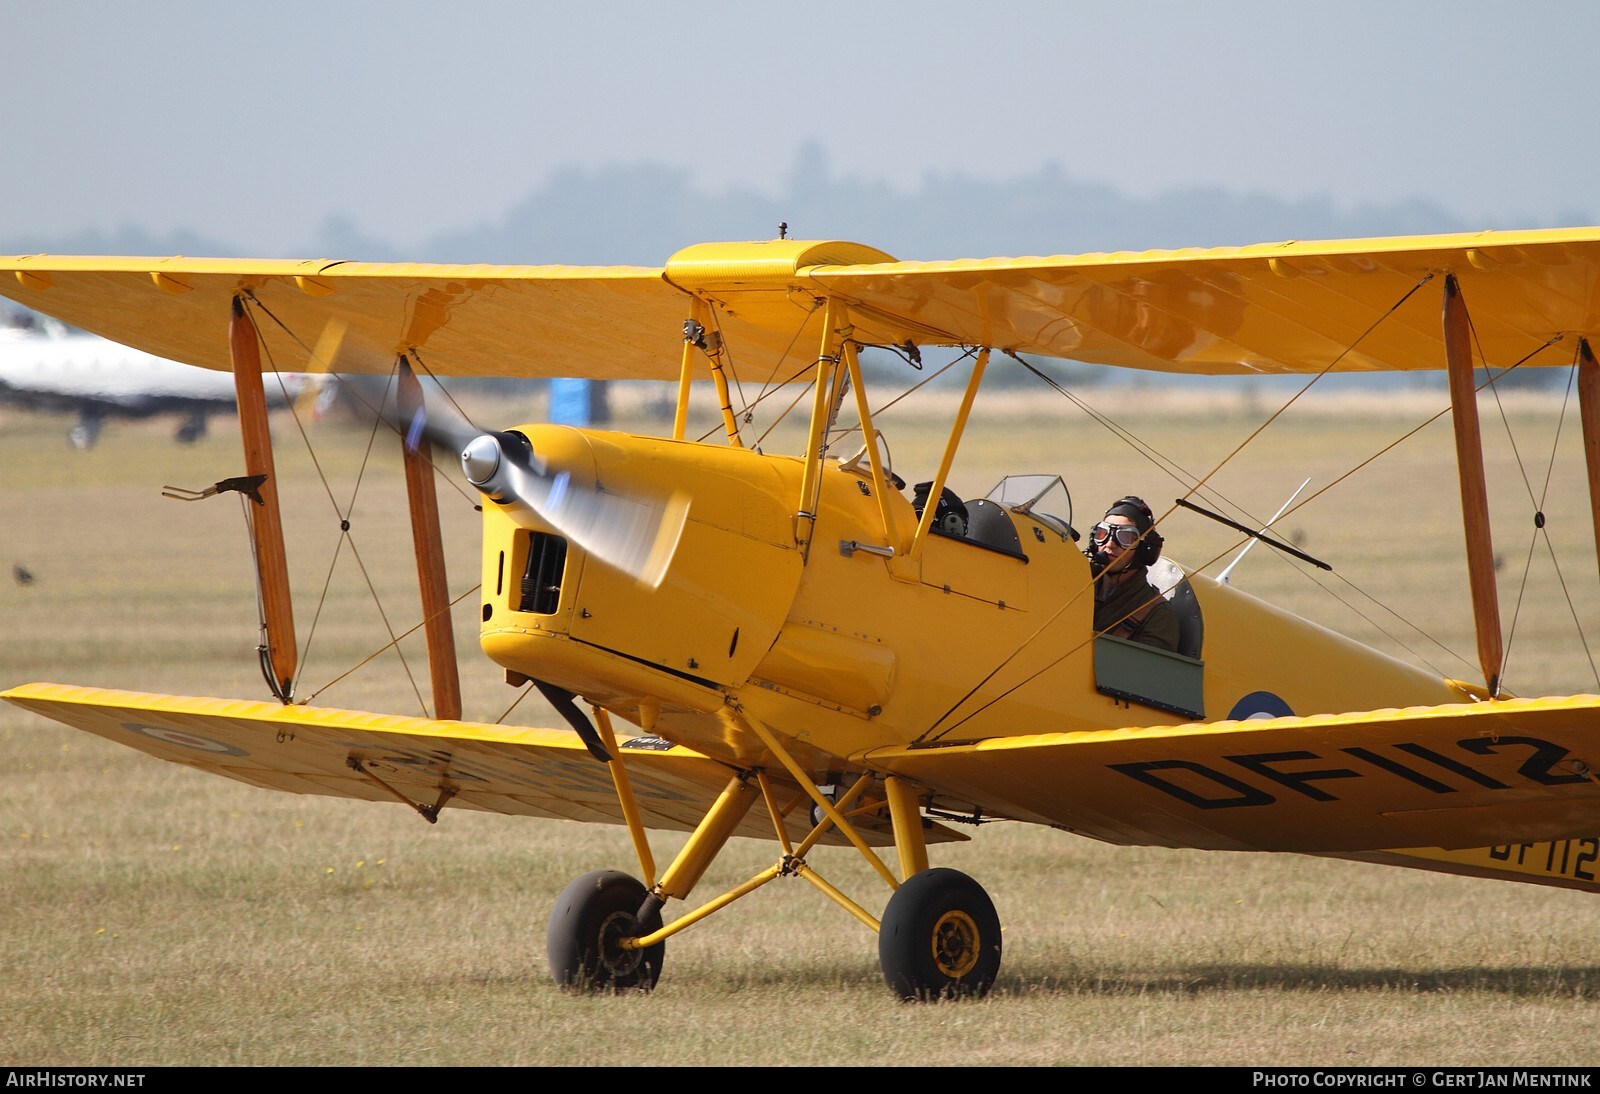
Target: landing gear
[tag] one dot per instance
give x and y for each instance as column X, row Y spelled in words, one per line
column 939, row 938
column 192, row 429
column 587, row 925
column 87, row 430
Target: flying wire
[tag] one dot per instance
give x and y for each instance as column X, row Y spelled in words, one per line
column 1195, row 488
column 1169, row 466
column 345, row 514
column 747, row 408
column 438, row 472
column 375, row 653
column 1352, row 471
column 1540, row 524
column 809, row 311
column 527, row 690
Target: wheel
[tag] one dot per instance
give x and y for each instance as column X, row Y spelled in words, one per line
column 590, row 918
column 192, row 429
column 83, row 435
column 940, row 937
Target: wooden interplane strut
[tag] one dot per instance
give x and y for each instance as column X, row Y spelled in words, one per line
column 1474, row 490
column 1589, row 411
column 266, row 521
column 429, row 545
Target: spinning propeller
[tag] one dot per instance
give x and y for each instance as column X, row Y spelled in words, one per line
column 635, row 535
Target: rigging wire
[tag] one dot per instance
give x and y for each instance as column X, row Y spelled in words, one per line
column 968, row 352
column 527, row 690
column 956, row 706
column 809, row 310
column 439, row 473
column 345, row 513
column 294, row 410
column 1315, row 578
column 1540, row 524
column 1307, row 387
column 380, row 650
column 1198, row 485
column 747, row 407
column 928, row 734
column 1164, row 463
column 345, row 516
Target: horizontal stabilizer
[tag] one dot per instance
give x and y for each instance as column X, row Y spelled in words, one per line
column 1564, row 864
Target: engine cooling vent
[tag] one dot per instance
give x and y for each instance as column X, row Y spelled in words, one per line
column 541, row 579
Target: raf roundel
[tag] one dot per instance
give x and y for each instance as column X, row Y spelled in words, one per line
column 187, row 740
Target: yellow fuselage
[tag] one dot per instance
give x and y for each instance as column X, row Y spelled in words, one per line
column 843, row 650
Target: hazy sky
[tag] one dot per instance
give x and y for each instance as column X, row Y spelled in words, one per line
column 255, row 123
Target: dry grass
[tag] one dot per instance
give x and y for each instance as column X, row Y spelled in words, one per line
column 155, row 916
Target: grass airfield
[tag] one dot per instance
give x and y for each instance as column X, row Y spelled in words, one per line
column 156, row 916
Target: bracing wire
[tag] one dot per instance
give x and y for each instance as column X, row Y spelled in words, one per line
column 381, row 649
column 1198, row 485
column 1540, row 524
column 345, row 514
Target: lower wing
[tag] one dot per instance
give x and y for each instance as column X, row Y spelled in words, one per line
column 1453, row 785
column 427, row 764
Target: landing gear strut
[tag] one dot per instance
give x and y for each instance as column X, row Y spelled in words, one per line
column 939, row 937
column 87, row 430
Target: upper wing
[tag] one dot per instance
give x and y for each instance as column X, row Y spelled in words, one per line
column 1281, row 307
column 1455, row 776
column 1275, row 307
column 377, row 757
column 605, row 322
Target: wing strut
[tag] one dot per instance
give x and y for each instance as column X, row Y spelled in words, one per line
column 429, row 548
column 266, row 522
column 1589, row 413
column 1474, row 491
column 956, row 430
column 805, row 520
column 869, row 435
column 696, row 336
column 693, row 338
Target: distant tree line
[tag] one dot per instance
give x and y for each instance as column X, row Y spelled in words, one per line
column 640, row 214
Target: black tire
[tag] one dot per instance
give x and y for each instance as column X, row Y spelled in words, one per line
column 588, row 921
column 940, row 938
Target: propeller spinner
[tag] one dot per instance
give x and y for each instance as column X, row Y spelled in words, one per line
column 635, row 535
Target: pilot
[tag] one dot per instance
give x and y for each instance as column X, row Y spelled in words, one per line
column 1121, row 548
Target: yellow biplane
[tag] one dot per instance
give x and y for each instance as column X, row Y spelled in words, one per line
column 789, row 647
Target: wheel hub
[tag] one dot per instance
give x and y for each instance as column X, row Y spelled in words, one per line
column 955, row 944
column 616, row 927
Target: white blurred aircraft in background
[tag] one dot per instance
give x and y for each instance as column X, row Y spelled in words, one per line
column 47, row 365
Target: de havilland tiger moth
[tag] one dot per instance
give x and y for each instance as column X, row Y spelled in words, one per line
column 794, row 648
